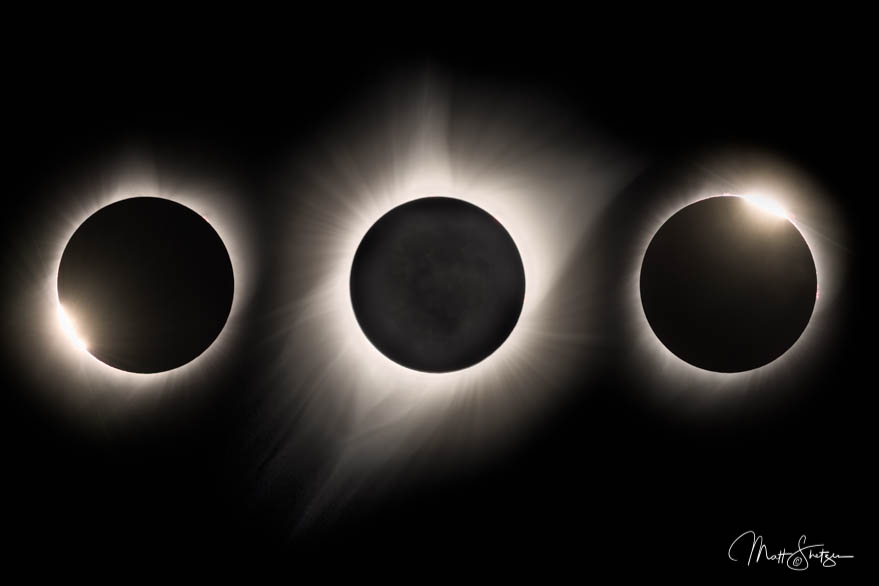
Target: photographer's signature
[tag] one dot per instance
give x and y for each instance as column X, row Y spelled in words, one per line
column 752, row 544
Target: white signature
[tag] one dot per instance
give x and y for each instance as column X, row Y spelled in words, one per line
column 797, row 559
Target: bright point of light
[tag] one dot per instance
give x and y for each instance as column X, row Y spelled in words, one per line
column 69, row 328
column 767, row 205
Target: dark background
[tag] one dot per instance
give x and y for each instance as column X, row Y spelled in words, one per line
column 604, row 481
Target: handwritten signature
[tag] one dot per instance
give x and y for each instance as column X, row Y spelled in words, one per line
column 797, row 559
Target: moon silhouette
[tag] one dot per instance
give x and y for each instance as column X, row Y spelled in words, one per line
column 147, row 283
column 728, row 286
column 437, row 284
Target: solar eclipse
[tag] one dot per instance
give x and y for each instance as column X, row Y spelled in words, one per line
column 145, row 285
column 293, row 440
column 728, row 285
column 775, row 210
column 506, row 182
column 437, row 284
column 63, row 310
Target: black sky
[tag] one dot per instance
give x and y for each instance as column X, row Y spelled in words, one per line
column 602, row 481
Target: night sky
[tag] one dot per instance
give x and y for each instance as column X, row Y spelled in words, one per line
column 603, row 477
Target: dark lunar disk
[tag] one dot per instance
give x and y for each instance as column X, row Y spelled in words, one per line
column 148, row 284
column 727, row 286
column 437, row 284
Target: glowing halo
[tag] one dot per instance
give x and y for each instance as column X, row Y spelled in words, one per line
column 782, row 192
column 528, row 170
column 80, row 383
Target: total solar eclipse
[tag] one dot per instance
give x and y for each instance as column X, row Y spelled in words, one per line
column 728, row 284
column 146, row 283
column 437, row 284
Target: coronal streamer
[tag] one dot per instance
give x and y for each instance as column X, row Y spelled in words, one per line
column 519, row 159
